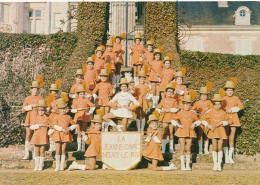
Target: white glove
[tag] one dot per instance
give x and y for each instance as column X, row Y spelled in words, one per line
column 225, row 123
column 88, row 96
column 35, row 126
column 158, row 110
column 235, row 109
column 59, row 128
column 85, row 138
column 28, row 107
column 72, row 95
column 94, row 96
column 148, row 139
column 72, row 127
column 197, row 123
column 180, row 92
column 156, row 139
column 175, row 123
column 91, row 110
column 74, row 110
column 205, row 123
column 174, row 110
column 48, row 109
column 149, row 96
column 50, row 131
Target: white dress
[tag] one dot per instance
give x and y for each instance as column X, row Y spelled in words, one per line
column 123, row 98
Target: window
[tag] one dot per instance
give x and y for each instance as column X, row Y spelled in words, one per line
column 30, row 14
column 195, row 45
column 57, row 18
column 38, row 13
column 242, row 13
column 242, row 16
column 29, row 26
column 38, row 26
column 243, row 47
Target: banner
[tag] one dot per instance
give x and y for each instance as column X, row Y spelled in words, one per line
column 121, row 150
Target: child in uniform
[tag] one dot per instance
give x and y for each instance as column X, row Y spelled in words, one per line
column 167, row 108
column 91, row 75
column 94, row 141
column 180, row 89
column 62, row 134
column 153, row 140
column 40, row 136
column 99, row 62
column 185, row 132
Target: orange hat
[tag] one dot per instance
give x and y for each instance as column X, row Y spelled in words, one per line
column 229, row 85
column 187, row 98
column 109, row 43
column 142, row 74
column 204, row 90
column 97, row 119
column 61, row 103
column 90, row 59
column 35, row 84
column 41, row 103
column 80, row 88
column 123, row 81
column 217, row 97
column 152, row 117
column 79, row 72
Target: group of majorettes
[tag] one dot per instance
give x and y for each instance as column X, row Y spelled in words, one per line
column 96, row 85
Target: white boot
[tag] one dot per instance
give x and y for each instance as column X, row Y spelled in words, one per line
column 53, row 146
column 215, row 160
column 83, row 145
column 163, row 145
column 157, row 100
column 41, row 164
column 231, row 154
column 220, row 155
column 225, row 149
column 27, row 145
column 171, row 150
column 62, row 161
column 113, row 124
column 138, row 124
column 200, row 146
column 142, row 124
column 188, row 162
column 206, row 147
column 50, row 149
column 182, row 163
column 79, row 144
column 57, row 160
column 37, row 161
column 167, row 168
column 154, row 101
column 75, row 166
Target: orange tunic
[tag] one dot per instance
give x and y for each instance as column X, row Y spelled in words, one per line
column 110, row 57
column 230, row 102
column 148, row 57
column 167, row 76
column 94, row 139
column 105, row 91
column 53, row 106
column 213, row 117
column 202, row 105
column 74, row 87
column 117, row 48
column 186, row 118
column 90, row 78
column 137, row 50
column 140, row 92
column 153, row 150
column 31, row 115
column 180, row 97
column 64, row 121
column 99, row 64
column 81, row 114
column 40, row 136
column 156, row 65
column 167, row 103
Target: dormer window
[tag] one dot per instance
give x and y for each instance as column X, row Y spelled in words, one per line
column 242, row 16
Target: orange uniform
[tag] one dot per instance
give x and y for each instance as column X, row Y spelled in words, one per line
column 99, row 64
column 110, row 57
column 230, row 102
column 94, row 139
column 90, row 78
column 117, row 48
column 156, row 65
column 148, row 56
column 180, row 97
column 64, row 121
column 167, row 103
column 105, row 91
column 186, row 118
column 213, row 117
column 40, row 136
column 31, row 115
column 140, row 92
column 53, row 106
column 137, row 50
column 153, row 150
column 202, row 105
column 74, row 87
column 167, row 76
column 81, row 114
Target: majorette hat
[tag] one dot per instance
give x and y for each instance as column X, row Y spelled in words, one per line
column 123, row 81
column 90, row 59
column 138, row 36
column 179, row 74
column 79, row 72
column 97, row 119
column 99, row 48
column 152, row 117
column 109, row 43
column 156, row 51
column 80, row 88
column 169, row 86
column 142, row 74
column 61, row 103
column 229, row 85
column 167, row 59
column 150, row 42
column 187, row 98
column 120, row 36
column 54, row 87
column 41, row 103
column 217, row 97
column 103, row 72
column 35, row 84
column 204, row 90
